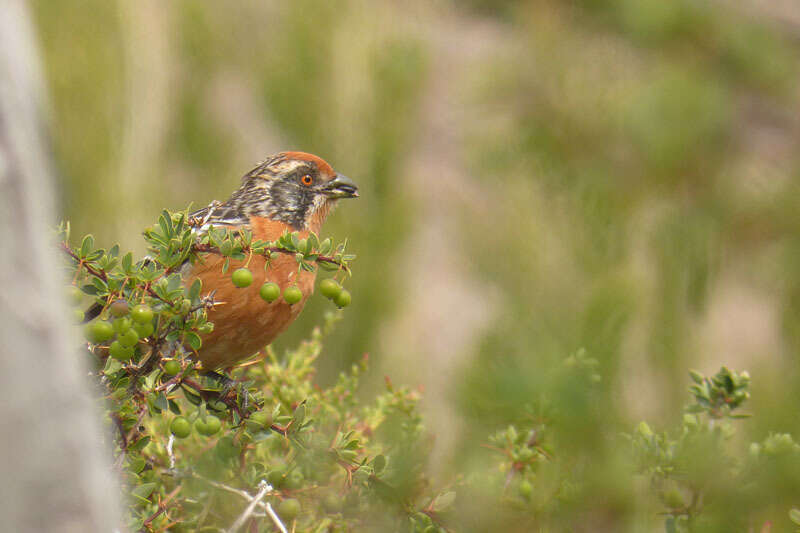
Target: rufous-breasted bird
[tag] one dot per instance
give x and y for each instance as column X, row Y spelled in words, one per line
column 289, row 191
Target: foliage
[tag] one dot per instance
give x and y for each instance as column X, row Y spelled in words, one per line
column 617, row 175
column 265, row 447
column 695, row 467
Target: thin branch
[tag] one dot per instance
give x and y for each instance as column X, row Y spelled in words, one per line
column 170, row 454
column 162, row 506
column 263, row 489
column 207, row 248
column 90, row 269
column 244, row 494
column 275, row 519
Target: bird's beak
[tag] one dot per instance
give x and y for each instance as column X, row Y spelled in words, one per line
column 341, row 187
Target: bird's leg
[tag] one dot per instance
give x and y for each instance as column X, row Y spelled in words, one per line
column 227, row 383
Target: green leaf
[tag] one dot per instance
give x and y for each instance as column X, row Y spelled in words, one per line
column 191, row 396
column 696, row 376
column 379, row 463
column 193, row 339
column 325, row 247
column 136, row 464
column 112, row 365
column 89, row 289
column 194, row 290
column 299, row 414
column 143, row 491
column 161, row 401
column 139, row 444
column 443, row 501
column 86, row 245
column 794, row 516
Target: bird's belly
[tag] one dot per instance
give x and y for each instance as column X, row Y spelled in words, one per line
column 245, row 323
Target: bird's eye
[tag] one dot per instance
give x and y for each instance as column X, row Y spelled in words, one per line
column 307, row 180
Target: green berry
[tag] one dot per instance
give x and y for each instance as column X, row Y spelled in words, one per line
column 262, row 419
column 242, row 277
column 142, row 314
column 180, row 427
column 75, row 295
column 292, row 295
column 172, row 367
column 143, row 330
column 269, row 292
column 294, row 480
column 129, row 338
column 342, row 299
column 100, row 331
column 121, row 325
column 332, row 502
column 330, row 288
column 288, row 509
column 209, row 426
column 276, row 477
column 119, row 308
column 120, row 352
column 525, row 489
column 78, row 316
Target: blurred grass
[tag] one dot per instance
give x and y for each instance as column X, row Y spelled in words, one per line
column 632, row 161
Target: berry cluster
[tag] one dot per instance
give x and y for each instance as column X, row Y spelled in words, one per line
column 129, row 326
column 269, row 292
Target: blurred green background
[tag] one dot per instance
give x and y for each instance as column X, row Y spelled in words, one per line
column 537, row 177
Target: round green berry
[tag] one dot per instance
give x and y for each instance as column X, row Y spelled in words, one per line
column 172, row 367
column 129, row 338
column 332, row 502
column 120, row 352
column 294, row 480
column 119, row 308
column 330, row 288
column 525, row 489
column 242, row 277
column 142, row 314
column 180, row 427
column 143, row 330
column 75, row 295
column 209, row 426
column 262, row 419
column 292, row 295
column 100, row 331
column 288, row 509
column 276, row 477
column 270, row 292
column 121, row 325
column 342, row 299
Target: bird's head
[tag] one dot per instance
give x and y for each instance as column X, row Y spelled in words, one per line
column 295, row 188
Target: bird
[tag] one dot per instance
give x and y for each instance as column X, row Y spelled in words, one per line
column 287, row 192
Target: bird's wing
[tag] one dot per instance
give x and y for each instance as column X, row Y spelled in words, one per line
column 217, row 214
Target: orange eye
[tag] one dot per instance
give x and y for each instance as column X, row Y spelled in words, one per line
column 307, row 180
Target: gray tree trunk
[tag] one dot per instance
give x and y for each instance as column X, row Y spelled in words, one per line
column 56, row 473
